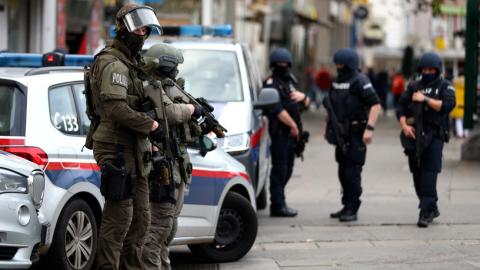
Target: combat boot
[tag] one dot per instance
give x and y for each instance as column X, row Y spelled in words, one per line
column 425, row 218
column 348, row 215
column 283, row 212
column 338, row 213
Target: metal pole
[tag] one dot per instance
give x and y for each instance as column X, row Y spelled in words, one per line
column 207, row 9
column 471, row 63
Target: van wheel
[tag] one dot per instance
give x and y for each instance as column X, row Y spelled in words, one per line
column 75, row 240
column 236, row 231
column 262, row 199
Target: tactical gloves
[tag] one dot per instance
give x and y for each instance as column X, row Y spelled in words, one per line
column 199, row 112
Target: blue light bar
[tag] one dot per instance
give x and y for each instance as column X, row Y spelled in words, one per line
column 78, row 60
column 35, row 60
column 199, row 30
column 189, row 30
column 20, row 60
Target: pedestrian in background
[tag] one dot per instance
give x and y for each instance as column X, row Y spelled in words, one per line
column 423, row 114
column 353, row 107
column 398, row 87
column 285, row 129
column 323, row 80
column 312, row 88
column 382, row 86
column 459, row 110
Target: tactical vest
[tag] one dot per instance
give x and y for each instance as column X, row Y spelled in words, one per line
column 107, row 130
column 432, row 119
column 183, row 131
column 284, row 88
column 347, row 104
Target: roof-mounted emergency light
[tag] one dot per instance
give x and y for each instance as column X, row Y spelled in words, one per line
column 45, row 60
column 190, row 31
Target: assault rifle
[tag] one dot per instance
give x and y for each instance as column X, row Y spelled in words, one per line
column 339, row 129
column 208, row 122
column 417, row 109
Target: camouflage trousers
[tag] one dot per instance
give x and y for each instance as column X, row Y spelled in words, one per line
column 124, row 222
column 163, row 228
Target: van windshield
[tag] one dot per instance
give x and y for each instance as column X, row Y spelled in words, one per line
column 12, row 110
column 214, row 75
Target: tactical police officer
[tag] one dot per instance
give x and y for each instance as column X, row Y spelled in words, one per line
column 353, row 108
column 423, row 114
column 285, row 128
column 166, row 195
column 119, row 138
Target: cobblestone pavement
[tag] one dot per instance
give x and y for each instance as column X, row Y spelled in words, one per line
column 386, row 235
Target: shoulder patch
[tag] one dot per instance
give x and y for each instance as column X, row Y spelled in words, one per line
column 119, row 79
column 368, row 85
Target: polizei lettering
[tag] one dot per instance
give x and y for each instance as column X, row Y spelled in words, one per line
column 119, row 79
column 341, row 86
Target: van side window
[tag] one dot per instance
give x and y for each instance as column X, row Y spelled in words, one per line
column 81, row 106
column 63, row 113
column 254, row 80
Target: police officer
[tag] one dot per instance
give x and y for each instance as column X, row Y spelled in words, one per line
column 353, row 108
column 120, row 143
column 423, row 114
column 166, row 199
column 285, row 128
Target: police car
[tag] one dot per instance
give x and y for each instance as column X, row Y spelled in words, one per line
column 225, row 73
column 42, row 118
column 21, row 192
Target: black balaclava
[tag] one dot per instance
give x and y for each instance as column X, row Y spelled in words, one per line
column 343, row 71
column 428, row 78
column 133, row 41
column 281, row 71
column 169, row 72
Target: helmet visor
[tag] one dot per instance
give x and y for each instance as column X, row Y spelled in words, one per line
column 141, row 17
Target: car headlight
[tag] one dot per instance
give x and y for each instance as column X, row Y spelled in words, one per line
column 36, row 187
column 12, row 182
column 235, row 144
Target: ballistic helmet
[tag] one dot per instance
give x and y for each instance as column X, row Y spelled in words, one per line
column 430, row 60
column 347, row 57
column 281, row 55
column 166, row 55
column 133, row 17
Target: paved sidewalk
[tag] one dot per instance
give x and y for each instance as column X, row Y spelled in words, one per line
column 386, row 235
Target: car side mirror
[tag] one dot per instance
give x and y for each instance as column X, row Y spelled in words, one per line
column 267, row 98
column 206, row 144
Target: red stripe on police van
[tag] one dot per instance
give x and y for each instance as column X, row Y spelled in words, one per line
column 219, row 174
column 4, row 141
column 255, row 138
column 56, row 166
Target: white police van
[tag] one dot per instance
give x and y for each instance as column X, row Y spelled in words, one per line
column 225, row 73
column 42, row 118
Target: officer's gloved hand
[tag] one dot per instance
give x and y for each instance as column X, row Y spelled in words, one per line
column 152, row 114
column 199, row 112
column 158, row 134
column 207, row 126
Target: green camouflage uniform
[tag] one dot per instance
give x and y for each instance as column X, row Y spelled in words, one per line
column 165, row 213
column 115, row 88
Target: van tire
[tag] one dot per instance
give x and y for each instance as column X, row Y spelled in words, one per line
column 75, row 213
column 235, row 233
